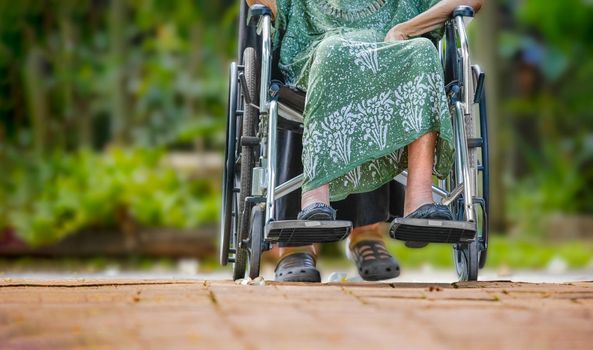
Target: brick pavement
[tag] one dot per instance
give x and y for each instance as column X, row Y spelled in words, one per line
column 189, row 314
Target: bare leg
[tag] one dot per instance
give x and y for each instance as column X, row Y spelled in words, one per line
column 420, row 163
column 311, row 249
column 372, row 232
column 317, row 195
column 418, row 192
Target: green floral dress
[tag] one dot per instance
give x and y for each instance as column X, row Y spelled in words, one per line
column 366, row 99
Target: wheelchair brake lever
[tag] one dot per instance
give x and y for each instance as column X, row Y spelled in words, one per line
column 452, row 90
column 246, row 93
column 245, row 89
column 479, row 88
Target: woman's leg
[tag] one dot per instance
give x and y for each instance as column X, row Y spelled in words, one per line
column 418, row 192
column 420, row 164
column 317, row 195
column 374, row 232
column 368, row 251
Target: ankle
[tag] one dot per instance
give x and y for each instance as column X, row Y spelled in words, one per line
column 410, row 208
column 373, row 232
column 309, row 249
column 317, row 195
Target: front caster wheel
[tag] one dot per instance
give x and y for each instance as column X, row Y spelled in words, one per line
column 465, row 256
column 256, row 233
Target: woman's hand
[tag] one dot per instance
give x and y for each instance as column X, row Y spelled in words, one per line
column 397, row 33
column 269, row 3
column 429, row 20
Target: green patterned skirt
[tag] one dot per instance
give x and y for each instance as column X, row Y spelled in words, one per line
column 367, row 100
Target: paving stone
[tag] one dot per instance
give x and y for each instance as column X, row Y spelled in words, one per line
column 147, row 314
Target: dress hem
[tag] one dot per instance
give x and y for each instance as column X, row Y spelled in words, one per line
column 336, row 174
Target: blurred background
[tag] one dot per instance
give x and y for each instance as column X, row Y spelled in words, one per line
column 112, row 117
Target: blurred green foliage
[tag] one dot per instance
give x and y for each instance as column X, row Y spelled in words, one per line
column 80, row 72
column 549, row 107
column 86, row 86
column 46, row 200
column 92, row 96
column 502, row 253
column 86, row 73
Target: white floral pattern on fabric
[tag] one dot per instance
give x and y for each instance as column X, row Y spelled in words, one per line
column 365, row 55
column 353, row 177
column 312, row 145
column 395, row 157
column 337, row 130
column 375, row 114
column 366, row 99
column 410, row 98
column 335, row 134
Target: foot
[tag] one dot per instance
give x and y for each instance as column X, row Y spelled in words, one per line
column 429, row 211
column 373, row 261
column 297, row 267
column 317, row 211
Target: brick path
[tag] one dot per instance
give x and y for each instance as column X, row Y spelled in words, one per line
column 159, row 314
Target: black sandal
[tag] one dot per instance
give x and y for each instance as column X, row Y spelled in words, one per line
column 373, row 261
column 297, row 267
column 429, row 211
column 317, row 211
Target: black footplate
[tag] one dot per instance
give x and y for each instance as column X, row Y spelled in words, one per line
column 304, row 232
column 432, row 231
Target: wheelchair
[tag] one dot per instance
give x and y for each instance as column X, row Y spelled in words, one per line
column 259, row 105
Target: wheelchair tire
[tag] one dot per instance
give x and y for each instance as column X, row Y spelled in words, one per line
column 256, row 235
column 466, row 257
column 247, row 157
column 483, row 127
column 228, row 177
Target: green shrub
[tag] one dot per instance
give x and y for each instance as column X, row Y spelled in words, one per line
column 48, row 199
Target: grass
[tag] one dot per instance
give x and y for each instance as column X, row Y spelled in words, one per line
column 502, row 251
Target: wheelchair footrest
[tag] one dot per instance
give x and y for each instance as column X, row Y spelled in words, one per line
column 304, row 232
column 432, row 231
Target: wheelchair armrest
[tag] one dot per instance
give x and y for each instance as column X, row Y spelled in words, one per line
column 256, row 12
column 463, row 11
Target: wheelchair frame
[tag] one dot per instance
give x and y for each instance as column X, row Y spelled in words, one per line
column 465, row 88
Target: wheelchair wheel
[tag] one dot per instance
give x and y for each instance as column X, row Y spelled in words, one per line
column 470, row 257
column 256, row 235
column 467, row 261
column 228, row 178
column 466, row 256
column 484, row 202
column 247, row 161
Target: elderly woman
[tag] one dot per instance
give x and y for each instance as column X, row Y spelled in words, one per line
column 375, row 106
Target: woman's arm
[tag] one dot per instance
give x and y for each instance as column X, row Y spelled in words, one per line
column 429, row 20
column 269, row 3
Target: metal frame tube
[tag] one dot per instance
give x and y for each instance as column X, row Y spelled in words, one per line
column 271, row 161
column 463, row 159
column 467, row 74
column 463, row 111
column 266, row 67
column 288, row 186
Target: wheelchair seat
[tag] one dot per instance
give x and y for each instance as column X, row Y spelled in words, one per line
column 292, row 98
column 291, row 105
